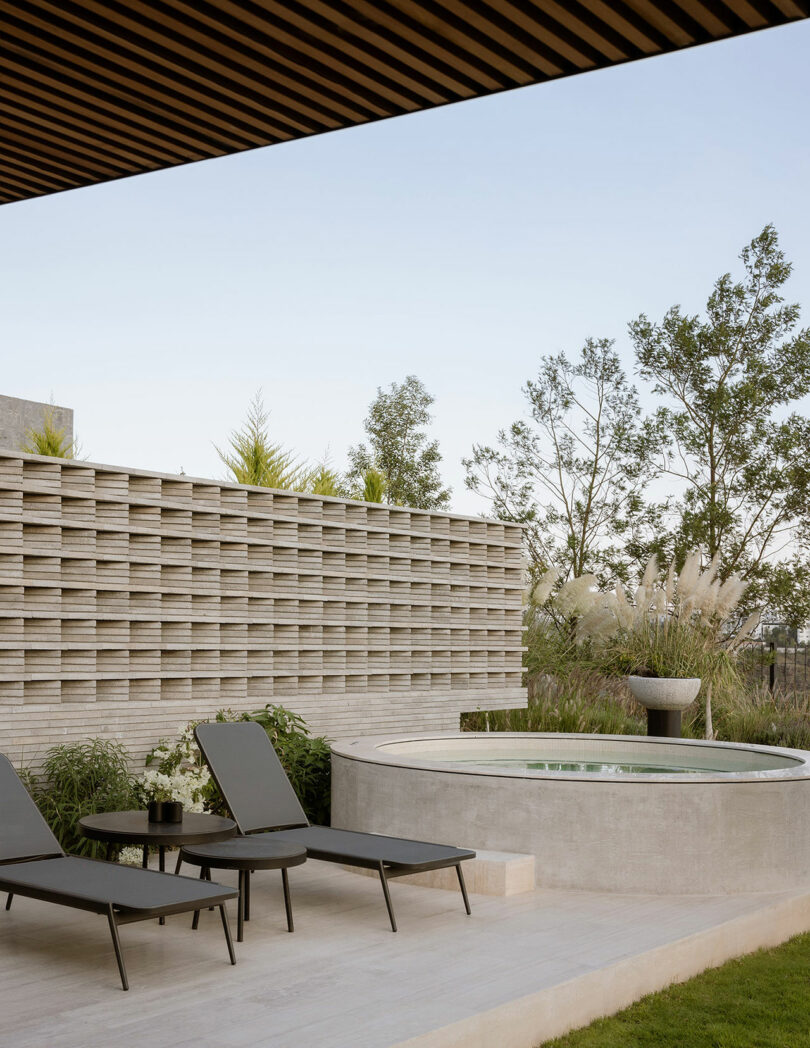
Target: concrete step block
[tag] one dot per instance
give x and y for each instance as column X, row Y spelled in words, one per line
column 489, row 873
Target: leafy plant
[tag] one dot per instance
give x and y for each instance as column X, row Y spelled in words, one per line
column 323, row 480
column 178, row 766
column 374, row 485
column 575, row 471
column 733, row 444
column 255, row 459
column 175, row 770
column 399, row 448
column 83, row 778
column 306, row 758
column 50, row 440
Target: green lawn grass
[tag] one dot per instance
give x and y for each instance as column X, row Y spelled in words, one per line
column 758, row 1001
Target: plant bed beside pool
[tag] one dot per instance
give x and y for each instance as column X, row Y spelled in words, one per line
column 598, row 812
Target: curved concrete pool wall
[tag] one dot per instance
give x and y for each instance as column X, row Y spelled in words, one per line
column 748, row 831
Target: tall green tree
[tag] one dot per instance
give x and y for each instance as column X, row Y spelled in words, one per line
column 399, row 448
column 253, row 458
column 737, row 446
column 574, row 472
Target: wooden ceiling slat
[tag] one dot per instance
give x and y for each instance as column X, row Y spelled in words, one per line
column 305, row 58
column 543, row 24
column 766, row 9
column 92, row 90
column 602, row 33
column 627, row 22
column 311, row 27
column 61, row 122
column 502, row 37
column 15, row 189
column 718, row 18
column 154, row 131
column 57, row 161
column 250, row 61
column 17, row 136
column 307, row 73
column 132, row 63
column 584, row 25
column 432, row 41
column 204, row 63
column 672, row 16
column 157, row 115
column 25, row 176
column 130, row 95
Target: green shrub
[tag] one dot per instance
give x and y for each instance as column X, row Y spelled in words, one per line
column 581, row 701
column 83, row 778
column 179, row 767
column 587, row 702
column 759, row 717
column 306, row 759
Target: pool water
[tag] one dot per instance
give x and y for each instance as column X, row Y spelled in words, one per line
column 637, row 757
column 593, row 767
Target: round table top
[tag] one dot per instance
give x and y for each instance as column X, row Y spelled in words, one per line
column 134, row 827
column 259, row 852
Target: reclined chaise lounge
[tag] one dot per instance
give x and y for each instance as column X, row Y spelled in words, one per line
column 258, row 793
column 33, row 864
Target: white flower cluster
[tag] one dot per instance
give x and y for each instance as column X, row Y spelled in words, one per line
column 131, row 856
column 187, row 782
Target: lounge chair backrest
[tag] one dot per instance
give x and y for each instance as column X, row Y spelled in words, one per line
column 250, row 776
column 24, row 834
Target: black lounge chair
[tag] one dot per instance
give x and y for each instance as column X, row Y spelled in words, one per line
column 258, row 793
column 33, row 864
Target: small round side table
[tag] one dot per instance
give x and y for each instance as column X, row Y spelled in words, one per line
column 245, row 854
column 134, row 827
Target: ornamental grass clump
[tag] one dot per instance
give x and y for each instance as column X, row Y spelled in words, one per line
column 675, row 625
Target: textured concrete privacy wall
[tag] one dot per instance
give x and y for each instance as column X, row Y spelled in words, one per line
column 17, row 417
column 132, row 602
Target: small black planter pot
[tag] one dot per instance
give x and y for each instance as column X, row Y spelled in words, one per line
column 155, row 811
column 172, row 811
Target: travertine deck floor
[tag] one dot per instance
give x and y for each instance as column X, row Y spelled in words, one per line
column 519, row 969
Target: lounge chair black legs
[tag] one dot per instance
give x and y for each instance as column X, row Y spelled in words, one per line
column 463, row 887
column 387, row 894
column 228, row 938
column 117, row 947
column 285, row 880
column 8, row 900
column 385, row 876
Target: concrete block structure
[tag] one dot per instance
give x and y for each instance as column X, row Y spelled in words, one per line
column 132, row 602
column 18, row 416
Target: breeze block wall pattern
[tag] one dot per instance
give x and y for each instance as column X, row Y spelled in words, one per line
column 133, row 602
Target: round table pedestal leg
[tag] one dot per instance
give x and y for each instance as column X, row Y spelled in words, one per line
column 240, row 925
column 162, row 868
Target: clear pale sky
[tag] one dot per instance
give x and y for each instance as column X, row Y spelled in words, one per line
column 458, row 244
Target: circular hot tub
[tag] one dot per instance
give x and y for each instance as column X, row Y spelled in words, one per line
column 598, row 812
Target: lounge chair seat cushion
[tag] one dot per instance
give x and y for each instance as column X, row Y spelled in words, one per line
column 370, row 849
column 127, row 888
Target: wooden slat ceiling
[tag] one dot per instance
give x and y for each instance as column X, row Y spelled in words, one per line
column 101, row 89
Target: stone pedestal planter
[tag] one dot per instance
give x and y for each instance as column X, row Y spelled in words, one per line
column 664, row 698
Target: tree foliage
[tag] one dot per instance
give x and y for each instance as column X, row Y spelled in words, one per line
column 735, row 444
column 253, row 458
column 575, row 470
column 399, row 448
